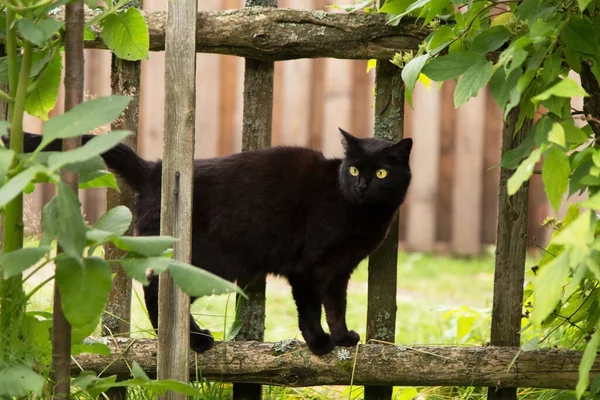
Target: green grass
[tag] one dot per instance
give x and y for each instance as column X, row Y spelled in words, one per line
column 441, row 300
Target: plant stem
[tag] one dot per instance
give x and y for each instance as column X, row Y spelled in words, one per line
column 13, row 298
column 74, row 71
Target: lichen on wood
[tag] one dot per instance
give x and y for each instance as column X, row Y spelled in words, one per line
column 272, row 34
column 292, row 364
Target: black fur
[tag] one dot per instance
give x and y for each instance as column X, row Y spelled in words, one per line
column 284, row 210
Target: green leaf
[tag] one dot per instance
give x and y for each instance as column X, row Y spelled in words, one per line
column 440, row 39
column 583, row 4
column 435, row 7
column 137, row 267
column 592, row 202
column 84, row 118
column 580, row 36
column 502, row 87
column 474, row 78
column 566, row 87
column 557, row 134
column 527, row 9
column 17, row 261
column 490, row 39
column 198, row 282
column 114, row 222
column 518, row 58
column 395, row 6
column 138, row 372
column 560, row 106
column 573, row 59
column 98, row 179
column 410, row 73
column 149, row 246
column 579, row 233
column 531, row 345
column 96, row 146
column 587, row 361
column 125, row 33
column 574, row 135
column 555, row 174
column 6, row 157
column 14, row 186
column 548, row 287
column 43, row 98
column 20, row 381
column 451, row 66
column 38, row 33
column 89, row 34
column 551, row 67
column 84, row 288
column 523, row 172
column 91, row 348
column 71, row 227
column 513, row 157
column 49, row 222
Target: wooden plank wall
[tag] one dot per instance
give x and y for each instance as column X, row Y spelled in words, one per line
column 452, row 202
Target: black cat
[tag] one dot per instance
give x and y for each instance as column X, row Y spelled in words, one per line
column 284, row 210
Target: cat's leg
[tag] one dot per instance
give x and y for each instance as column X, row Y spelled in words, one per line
column 200, row 339
column 334, row 300
column 308, row 302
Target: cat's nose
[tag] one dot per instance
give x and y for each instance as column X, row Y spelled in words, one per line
column 362, row 186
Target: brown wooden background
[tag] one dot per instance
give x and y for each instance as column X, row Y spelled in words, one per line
column 453, row 198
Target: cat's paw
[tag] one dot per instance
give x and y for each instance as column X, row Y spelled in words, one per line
column 349, row 339
column 321, row 344
column 201, row 341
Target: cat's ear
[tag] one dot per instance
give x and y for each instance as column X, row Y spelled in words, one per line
column 401, row 150
column 350, row 142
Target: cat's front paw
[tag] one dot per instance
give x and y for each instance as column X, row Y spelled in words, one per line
column 201, row 341
column 321, row 344
column 349, row 339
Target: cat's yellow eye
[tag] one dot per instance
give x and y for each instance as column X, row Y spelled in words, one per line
column 381, row 173
column 353, row 171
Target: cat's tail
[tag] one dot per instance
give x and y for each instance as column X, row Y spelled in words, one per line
column 121, row 158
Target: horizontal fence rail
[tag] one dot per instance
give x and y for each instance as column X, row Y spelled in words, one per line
column 290, row 363
column 285, row 34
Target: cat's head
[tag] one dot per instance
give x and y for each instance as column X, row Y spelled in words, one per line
column 374, row 170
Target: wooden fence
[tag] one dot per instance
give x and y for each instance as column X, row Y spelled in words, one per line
column 452, row 153
column 452, row 203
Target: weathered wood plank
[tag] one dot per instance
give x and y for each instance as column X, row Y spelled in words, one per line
column 256, row 134
column 177, row 186
column 468, row 170
column 337, row 106
column 273, row 35
column 446, row 163
column 383, row 263
column 491, row 172
column 125, row 80
column 292, row 364
column 511, row 249
column 421, row 222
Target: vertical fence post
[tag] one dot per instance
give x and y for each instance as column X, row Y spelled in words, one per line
column 511, row 246
column 177, row 186
column 116, row 321
column 256, row 134
column 383, row 263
